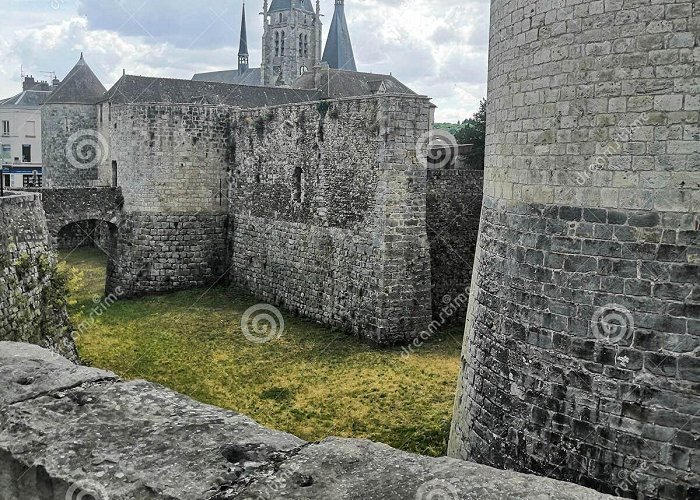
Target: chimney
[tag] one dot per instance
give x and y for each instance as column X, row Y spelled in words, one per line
column 319, row 70
column 28, row 83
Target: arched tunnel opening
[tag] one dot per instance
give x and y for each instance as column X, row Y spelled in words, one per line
column 89, row 245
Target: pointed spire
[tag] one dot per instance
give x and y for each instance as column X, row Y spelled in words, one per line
column 80, row 86
column 243, row 59
column 338, row 53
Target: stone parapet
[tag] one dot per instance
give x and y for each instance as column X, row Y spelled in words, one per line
column 69, row 432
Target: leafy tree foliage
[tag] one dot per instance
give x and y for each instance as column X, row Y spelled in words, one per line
column 471, row 131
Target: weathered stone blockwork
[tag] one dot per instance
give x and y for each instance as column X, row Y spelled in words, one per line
column 590, row 220
column 453, row 212
column 89, row 206
column 32, row 305
column 61, row 123
column 172, row 169
column 165, row 252
column 328, row 213
column 76, row 432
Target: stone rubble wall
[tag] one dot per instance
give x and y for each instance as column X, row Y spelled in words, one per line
column 75, row 432
column 32, row 295
column 84, row 234
column 453, row 213
column 345, row 243
column 581, row 355
column 62, row 124
column 82, row 206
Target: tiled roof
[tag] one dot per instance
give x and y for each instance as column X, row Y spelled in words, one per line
column 350, row 83
column 26, row 99
column 338, row 53
column 80, row 86
column 251, row 77
column 287, row 4
column 140, row 89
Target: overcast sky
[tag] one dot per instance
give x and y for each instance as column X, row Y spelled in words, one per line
column 436, row 47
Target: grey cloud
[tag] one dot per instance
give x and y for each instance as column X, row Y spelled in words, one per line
column 182, row 23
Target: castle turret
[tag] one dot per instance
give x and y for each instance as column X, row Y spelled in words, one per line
column 338, row 53
column 71, row 148
column 243, row 46
column 580, row 357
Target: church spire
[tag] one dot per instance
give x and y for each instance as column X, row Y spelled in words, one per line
column 243, row 47
column 338, row 53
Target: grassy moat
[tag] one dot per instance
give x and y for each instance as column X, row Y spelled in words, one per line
column 312, row 382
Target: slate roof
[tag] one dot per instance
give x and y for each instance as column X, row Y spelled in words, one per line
column 243, row 45
column 80, row 86
column 26, row 99
column 351, row 83
column 278, row 5
column 141, row 89
column 251, row 77
column 338, row 53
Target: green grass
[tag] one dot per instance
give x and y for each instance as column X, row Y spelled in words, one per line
column 313, row 382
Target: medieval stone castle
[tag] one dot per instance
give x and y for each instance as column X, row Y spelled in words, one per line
column 303, row 183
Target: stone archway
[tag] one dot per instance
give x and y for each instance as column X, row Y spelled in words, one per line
column 82, row 234
column 98, row 234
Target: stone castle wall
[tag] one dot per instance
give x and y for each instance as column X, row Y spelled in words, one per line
column 32, row 301
column 580, row 360
column 328, row 213
column 172, row 170
column 65, row 130
column 453, row 212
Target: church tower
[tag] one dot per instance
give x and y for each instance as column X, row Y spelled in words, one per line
column 243, row 56
column 291, row 40
column 338, row 53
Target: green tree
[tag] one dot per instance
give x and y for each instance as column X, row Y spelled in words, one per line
column 473, row 131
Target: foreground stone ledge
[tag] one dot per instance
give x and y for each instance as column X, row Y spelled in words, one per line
column 66, row 431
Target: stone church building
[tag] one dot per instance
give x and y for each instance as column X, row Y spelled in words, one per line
column 291, row 45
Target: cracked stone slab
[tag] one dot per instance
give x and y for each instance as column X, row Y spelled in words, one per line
column 130, row 440
column 28, row 371
column 355, row 469
column 83, row 433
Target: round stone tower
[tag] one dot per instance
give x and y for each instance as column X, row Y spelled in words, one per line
column 583, row 332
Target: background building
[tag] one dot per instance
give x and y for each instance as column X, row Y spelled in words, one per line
column 291, row 46
column 20, row 134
